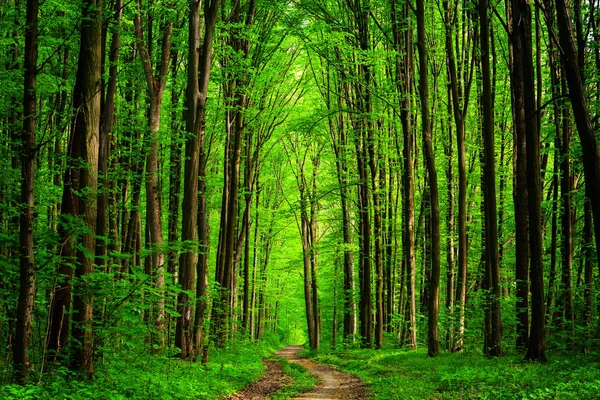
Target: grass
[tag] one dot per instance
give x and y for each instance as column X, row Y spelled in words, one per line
column 400, row 374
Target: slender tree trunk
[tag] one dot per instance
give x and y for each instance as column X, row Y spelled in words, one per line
column 450, row 275
column 106, row 126
column 566, row 292
column 588, row 309
column 22, row 344
column 312, row 225
column 554, row 232
column 520, row 185
column 403, row 43
column 581, row 114
column 194, row 190
column 308, row 300
column 493, row 347
column 340, row 149
column 433, row 347
column 523, row 61
column 156, row 80
column 226, row 276
column 460, row 91
column 175, row 167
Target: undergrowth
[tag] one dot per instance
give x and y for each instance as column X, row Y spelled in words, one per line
column 144, row 376
column 400, row 374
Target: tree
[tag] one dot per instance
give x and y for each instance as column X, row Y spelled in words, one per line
column 520, row 185
column 194, row 191
column 587, row 136
column 523, row 87
column 460, row 86
column 494, row 337
column 433, row 346
column 404, row 76
column 22, row 346
column 237, row 102
column 86, row 126
column 155, row 80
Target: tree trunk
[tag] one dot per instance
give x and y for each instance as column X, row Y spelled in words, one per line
column 22, row 344
column 588, row 292
column 493, row 345
column 88, row 86
column 237, row 84
column 587, row 136
column 106, row 126
column 194, row 190
column 566, row 292
column 460, row 91
column 520, row 185
column 523, row 60
column 433, row 346
column 403, row 44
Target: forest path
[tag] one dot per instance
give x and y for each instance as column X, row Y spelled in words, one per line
column 333, row 384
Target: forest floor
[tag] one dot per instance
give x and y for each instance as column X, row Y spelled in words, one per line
column 332, row 383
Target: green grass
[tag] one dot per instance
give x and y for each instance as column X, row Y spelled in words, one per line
column 302, row 382
column 399, row 374
column 144, row 376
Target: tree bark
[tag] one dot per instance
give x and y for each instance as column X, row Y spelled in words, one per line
column 460, row 87
column 493, row 344
column 22, row 344
column 106, row 127
column 403, row 44
column 194, row 190
column 433, row 306
column 156, row 81
column 520, row 185
column 523, row 60
column 87, row 93
column 226, row 276
column 579, row 103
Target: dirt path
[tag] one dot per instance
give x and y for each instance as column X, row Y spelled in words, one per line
column 273, row 380
column 333, row 384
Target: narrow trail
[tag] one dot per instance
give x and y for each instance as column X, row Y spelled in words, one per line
column 333, row 384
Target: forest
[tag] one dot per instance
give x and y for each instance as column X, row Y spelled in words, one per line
column 409, row 188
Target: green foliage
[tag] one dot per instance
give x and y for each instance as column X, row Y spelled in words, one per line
column 134, row 373
column 398, row 374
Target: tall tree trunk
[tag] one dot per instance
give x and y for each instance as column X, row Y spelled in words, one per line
column 523, row 60
column 340, row 144
column 226, row 276
column 106, row 126
column 588, row 308
column 403, row 44
column 433, row 306
column 566, row 292
column 312, row 225
column 194, row 190
column 450, row 275
column 493, row 347
column 87, row 93
column 587, row 136
column 520, row 185
column 460, row 87
column 175, row 167
column 22, row 344
column 155, row 81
